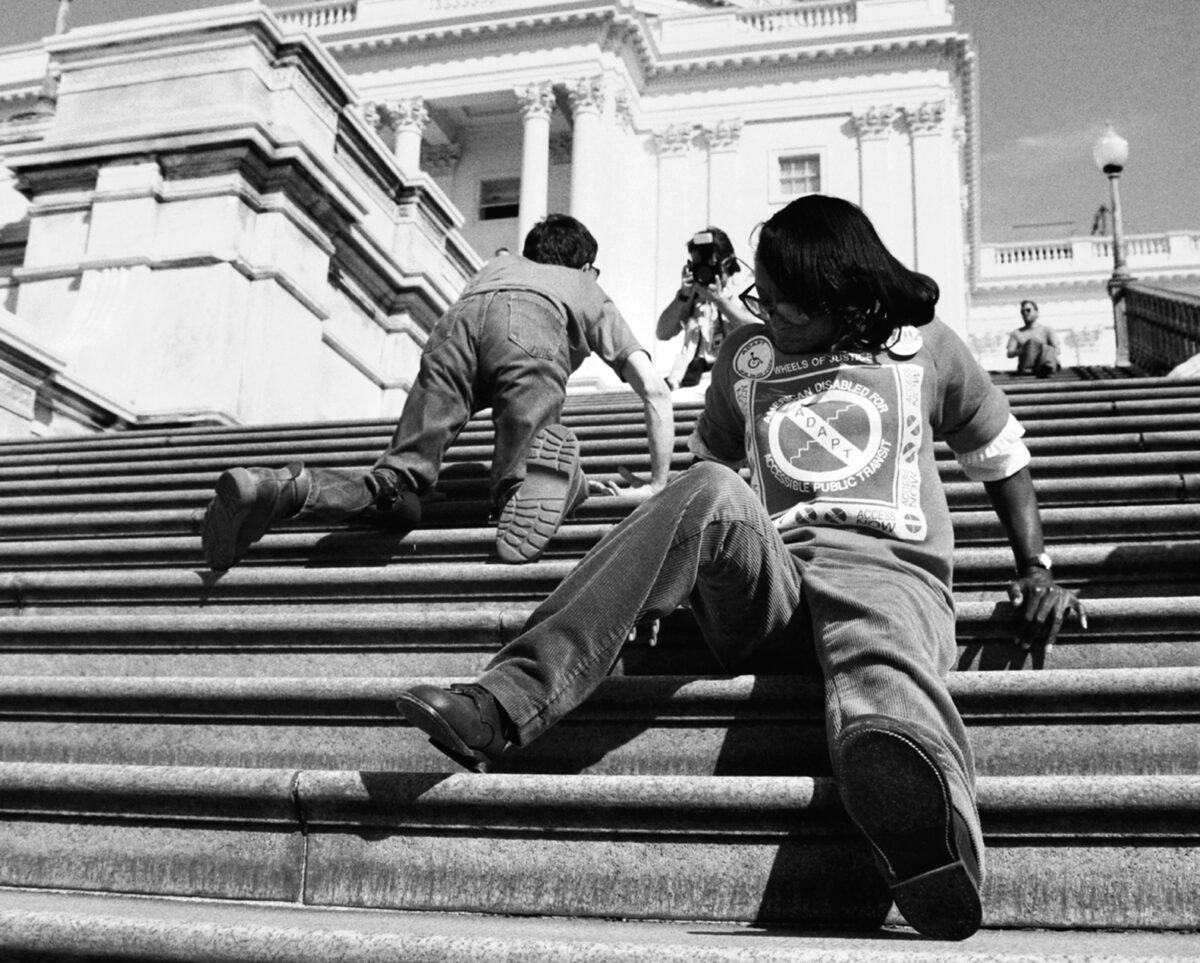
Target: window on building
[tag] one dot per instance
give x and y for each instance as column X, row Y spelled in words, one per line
column 799, row 174
column 499, row 197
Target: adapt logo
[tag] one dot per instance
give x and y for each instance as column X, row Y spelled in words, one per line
column 755, row 359
column 828, row 440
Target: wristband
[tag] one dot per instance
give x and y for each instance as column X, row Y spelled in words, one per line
column 1041, row 560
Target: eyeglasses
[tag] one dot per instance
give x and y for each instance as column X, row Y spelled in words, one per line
column 592, row 270
column 763, row 310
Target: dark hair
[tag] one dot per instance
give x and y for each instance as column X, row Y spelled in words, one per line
column 1030, row 301
column 560, row 239
column 722, row 246
column 825, row 256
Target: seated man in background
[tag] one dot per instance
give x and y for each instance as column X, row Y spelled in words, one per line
column 1035, row 344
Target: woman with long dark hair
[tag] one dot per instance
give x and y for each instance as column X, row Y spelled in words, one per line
column 839, row 550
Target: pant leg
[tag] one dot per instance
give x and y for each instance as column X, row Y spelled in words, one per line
column 443, row 397
column 885, row 639
column 704, row 536
column 524, row 364
column 335, row 494
column 1028, row 357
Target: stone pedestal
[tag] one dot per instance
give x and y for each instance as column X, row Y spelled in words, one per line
column 210, row 227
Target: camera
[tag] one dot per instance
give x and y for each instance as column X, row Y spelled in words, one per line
column 704, row 266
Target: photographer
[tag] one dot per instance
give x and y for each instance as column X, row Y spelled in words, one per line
column 706, row 308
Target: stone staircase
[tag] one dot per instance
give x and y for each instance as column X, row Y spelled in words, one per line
column 209, row 766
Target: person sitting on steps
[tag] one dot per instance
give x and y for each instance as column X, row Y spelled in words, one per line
column 1034, row 344
column 840, row 548
column 509, row 342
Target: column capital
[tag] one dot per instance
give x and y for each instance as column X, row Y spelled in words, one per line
column 724, row 134
column 623, row 107
column 587, row 94
column 926, row 118
column 874, row 123
column 373, row 114
column 536, row 100
column 674, row 140
column 407, row 113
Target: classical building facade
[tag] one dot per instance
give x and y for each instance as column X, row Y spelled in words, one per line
column 651, row 119
column 247, row 214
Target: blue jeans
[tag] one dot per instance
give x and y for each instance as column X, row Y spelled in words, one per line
column 883, row 634
column 506, row 350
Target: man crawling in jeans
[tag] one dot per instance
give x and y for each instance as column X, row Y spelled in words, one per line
column 510, row 341
column 841, row 543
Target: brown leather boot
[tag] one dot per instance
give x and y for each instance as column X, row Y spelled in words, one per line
column 248, row 501
column 465, row 722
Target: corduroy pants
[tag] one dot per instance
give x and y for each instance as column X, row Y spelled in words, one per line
column 882, row 634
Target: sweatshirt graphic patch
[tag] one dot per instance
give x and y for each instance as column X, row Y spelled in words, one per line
column 838, row 445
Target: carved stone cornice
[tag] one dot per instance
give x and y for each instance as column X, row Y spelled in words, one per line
column 874, row 123
column 926, row 118
column 407, row 113
column 440, row 159
column 724, row 135
column 560, row 147
column 586, row 94
column 675, row 140
column 536, row 100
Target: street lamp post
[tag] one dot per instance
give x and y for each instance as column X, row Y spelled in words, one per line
column 1110, row 153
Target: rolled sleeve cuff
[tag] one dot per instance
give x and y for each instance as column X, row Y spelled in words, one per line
column 1002, row 457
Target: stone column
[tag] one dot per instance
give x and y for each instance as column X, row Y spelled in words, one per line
column 937, row 210
column 879, row 187
column 677, row 215
column 408, row 117
column 926, row 125
column 723, row 139
column 588, row 186
column 537, row 104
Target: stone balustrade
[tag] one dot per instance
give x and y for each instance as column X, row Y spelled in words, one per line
column 810, row 16
column 314, row 16
column 1164, row 326
column 1088, row 256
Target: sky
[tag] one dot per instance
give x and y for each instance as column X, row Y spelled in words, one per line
column 1052, row 75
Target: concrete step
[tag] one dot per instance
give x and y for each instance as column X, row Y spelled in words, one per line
column 45, row 925
column 1103, row 570
column 301, row 543
column 175, row 483
column 88, row 514
column 449, row 638
column 1114, row 722
column 1115, row 851
column 602, row 452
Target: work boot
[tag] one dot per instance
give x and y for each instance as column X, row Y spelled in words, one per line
column 554, row 486
column 896, row 794
column 465, row 722
column 248, row 501
column 396, row 504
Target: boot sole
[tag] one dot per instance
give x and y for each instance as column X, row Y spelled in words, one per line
column 225, row 518
column 550, row 492
column 914, row 830
column 441, row 736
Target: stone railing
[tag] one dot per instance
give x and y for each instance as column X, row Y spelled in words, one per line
column 1088, row 256
column 323, row 13
column 820, row 15
column 1163, row 326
